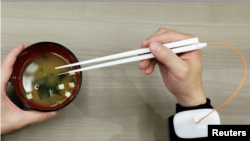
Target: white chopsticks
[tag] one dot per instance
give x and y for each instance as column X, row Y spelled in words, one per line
column 178, row 47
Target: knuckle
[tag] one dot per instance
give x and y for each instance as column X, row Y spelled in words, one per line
column 163, row 32
column 192, row 36
column 169, row 32
column 162, row 29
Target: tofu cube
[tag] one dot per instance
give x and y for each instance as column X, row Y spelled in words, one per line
column 61, row 86
column 72, row 73
column 29, row 96
column 71, row 85
column 67, row 94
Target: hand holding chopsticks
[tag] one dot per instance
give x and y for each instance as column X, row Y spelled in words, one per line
column 176, row 47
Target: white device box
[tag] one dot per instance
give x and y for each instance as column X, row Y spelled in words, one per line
column 185, row 126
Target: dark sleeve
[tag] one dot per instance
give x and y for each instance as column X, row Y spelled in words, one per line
column 179, row 108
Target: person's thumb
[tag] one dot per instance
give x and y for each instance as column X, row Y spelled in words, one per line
column 167, row 57
column 35, row 116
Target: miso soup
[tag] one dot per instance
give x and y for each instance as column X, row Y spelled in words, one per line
column 41, row 83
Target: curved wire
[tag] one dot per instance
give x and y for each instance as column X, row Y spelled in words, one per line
column 242, row 81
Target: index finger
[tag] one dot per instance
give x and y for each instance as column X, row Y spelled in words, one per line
column 166, row 37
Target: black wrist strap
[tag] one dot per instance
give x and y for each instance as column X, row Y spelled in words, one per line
column 180, row 108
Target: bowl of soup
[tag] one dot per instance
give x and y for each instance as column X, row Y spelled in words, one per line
column 36, row 82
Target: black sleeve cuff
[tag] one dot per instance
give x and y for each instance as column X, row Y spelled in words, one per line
column 179, row 108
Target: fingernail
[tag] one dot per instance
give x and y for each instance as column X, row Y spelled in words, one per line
column 155, row 47
column 52, row 114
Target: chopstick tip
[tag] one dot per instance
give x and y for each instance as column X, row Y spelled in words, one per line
column 62, row 73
